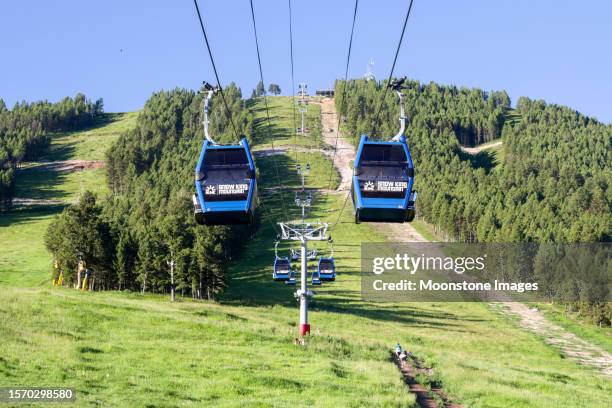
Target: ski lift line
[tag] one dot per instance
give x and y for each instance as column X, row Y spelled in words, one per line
column 278, row 180
column 348, row 59
column 292, row 80
column 397, row 50
column 212, row 60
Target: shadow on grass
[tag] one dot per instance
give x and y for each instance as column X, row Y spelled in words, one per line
column 24, row 215
column 40, row 182
column 265, row 132
column 252, row 285
column 60, row 152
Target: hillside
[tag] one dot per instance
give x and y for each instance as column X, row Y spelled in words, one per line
column 72, row 164
column 549, row 183
column 126, row 349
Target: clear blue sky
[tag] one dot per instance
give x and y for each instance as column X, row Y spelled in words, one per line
column 123, row 51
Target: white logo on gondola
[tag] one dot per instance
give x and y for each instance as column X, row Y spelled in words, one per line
column 368, row 186
column 233, row 189
column 211, row 190
column 392, row 186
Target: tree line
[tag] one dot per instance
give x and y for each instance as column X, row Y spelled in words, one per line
column 552, row 184
column 143, row 237
column 25, row 129
column 260, row 90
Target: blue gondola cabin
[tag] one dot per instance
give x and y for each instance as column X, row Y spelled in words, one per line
column 382, row 181
column 226, row 187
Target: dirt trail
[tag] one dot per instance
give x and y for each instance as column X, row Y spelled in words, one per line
column 30, row 202
column 480, row 148
column 70, row 165
column 570, row 345
column 345, row 152
column 531, row 319
column 424, row 397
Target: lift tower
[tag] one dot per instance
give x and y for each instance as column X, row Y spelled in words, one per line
column 303, row 232
column 303, row 104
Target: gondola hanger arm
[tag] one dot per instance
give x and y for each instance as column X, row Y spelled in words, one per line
column 210, row 90
column 397, row 85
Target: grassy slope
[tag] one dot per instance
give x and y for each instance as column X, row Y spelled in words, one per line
column 24, row 261
column 37, row 181
column 282, row 121
column 91, row 144
column 123, row 349
column 23, row 258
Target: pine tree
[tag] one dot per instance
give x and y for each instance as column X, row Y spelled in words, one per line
column 260, row 90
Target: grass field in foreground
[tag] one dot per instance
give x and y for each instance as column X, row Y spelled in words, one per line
column 122, row 349
column 125, row 350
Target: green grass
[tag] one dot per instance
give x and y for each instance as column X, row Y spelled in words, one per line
column 38, row 181
column 91, row 144
column 41, row 180
column 319, row 176
column 280, row 128
column 24, row 261
column 123, row 349
column 512, row 116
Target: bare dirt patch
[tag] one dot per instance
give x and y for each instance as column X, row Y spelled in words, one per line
column 345, row 152
column 570, row 345
column 425, row 397
column 480, row 148
column 74, row 165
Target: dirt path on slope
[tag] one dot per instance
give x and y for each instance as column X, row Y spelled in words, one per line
column 30, row 202
column 480, row 148
column 530, row 319
column 345, row 152
column 570, row 345
column 72, row 165
column 424, row 397
column 284, row 149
